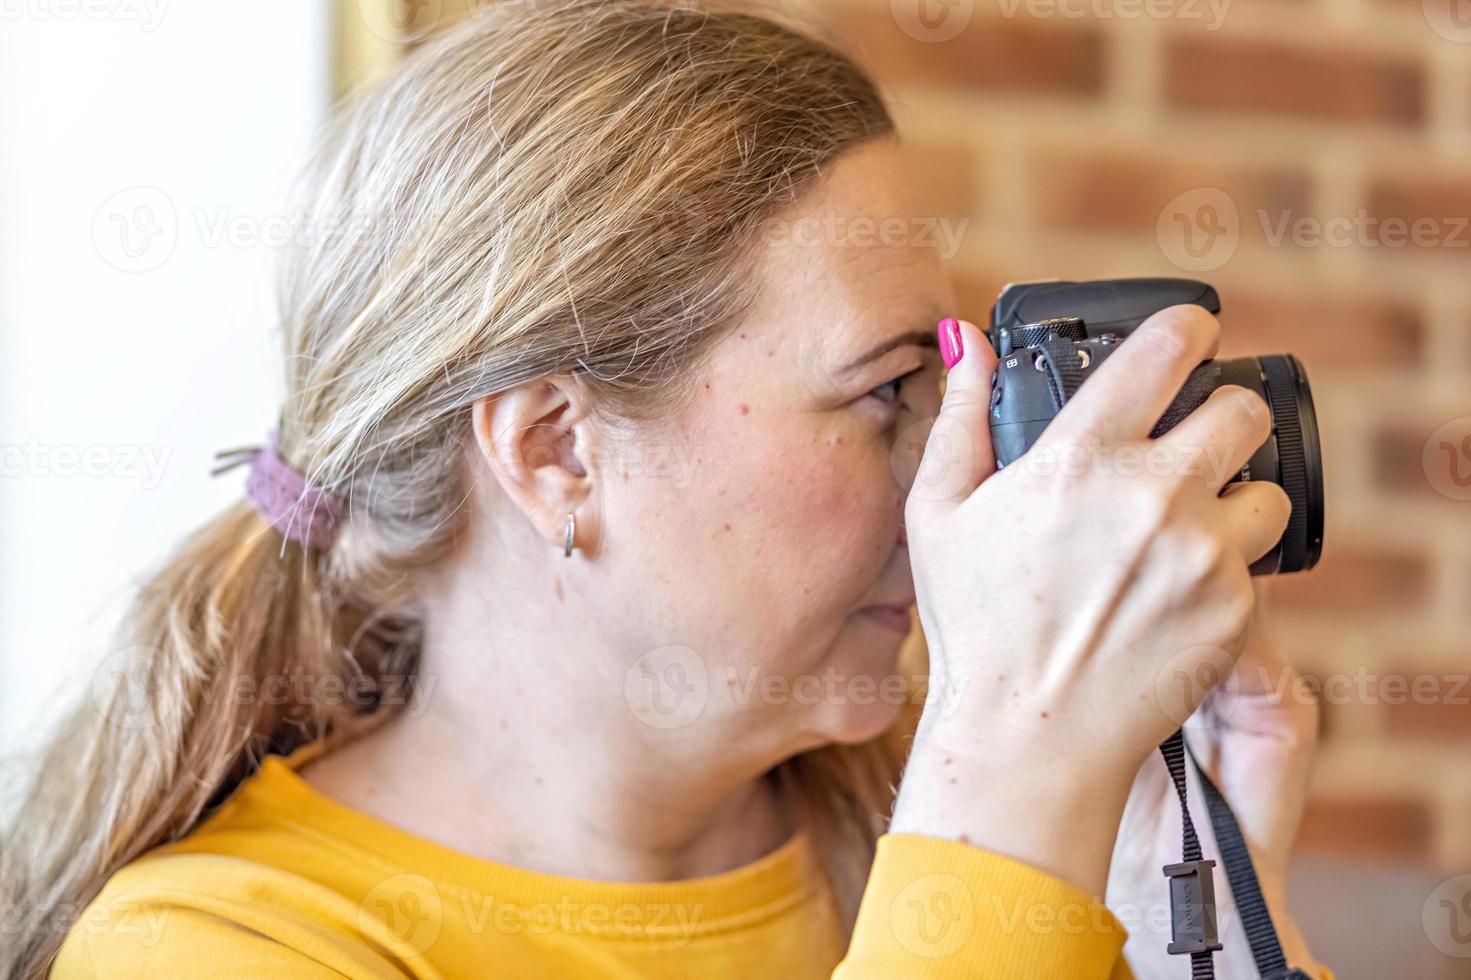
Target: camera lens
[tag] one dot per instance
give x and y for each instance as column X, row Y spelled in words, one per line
column 1291, row 457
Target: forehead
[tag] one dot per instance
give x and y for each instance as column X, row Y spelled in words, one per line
column 851, row 264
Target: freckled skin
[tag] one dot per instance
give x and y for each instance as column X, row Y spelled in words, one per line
column 793, row 469
column 746, row 529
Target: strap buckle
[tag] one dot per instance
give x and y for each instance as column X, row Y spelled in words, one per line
column 1192, row 907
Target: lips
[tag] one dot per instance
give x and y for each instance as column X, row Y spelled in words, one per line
column 894, row 617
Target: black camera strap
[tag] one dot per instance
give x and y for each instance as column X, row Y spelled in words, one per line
column 1192, row 888
column 1192, row 885
column 1059, row 358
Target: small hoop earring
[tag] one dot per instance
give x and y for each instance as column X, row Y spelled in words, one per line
column 571, row 533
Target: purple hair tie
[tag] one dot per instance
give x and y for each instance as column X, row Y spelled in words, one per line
column 302, row 512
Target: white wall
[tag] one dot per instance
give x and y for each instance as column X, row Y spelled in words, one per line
column 125, row 363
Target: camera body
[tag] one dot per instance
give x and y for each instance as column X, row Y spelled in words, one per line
column 1050, row 337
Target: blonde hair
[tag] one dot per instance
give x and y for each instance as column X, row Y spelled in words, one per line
column 569, row 187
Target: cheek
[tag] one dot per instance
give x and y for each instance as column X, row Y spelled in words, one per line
column 791, row 521
column 833, row 507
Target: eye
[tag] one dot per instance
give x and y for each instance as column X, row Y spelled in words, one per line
column 888, row 392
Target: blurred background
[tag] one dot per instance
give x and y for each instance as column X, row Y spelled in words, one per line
column 1311, row 158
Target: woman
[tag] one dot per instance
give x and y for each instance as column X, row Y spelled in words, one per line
column 559, row 632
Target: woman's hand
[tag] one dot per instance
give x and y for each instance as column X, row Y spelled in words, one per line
column 1255, row 735
column 1054, row 593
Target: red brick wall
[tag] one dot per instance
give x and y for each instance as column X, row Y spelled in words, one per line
column 1078, row 145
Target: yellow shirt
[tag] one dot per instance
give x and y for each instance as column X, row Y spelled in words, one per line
column 283, row 881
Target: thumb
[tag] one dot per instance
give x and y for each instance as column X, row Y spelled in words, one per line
column 957, row 454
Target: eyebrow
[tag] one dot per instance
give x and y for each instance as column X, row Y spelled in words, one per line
column 921, row 338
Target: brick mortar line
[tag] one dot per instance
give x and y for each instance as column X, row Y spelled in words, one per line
column 1380, row 29
column 1263, row 263
column 1235, row 139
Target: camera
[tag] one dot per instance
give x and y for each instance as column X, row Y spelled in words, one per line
column 1051, row 336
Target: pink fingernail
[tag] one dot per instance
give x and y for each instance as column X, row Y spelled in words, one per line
column 952, row 348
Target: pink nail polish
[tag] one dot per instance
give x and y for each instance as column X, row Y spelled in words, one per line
column 952, row 348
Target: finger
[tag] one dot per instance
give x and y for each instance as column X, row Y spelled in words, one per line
column 957, row 452
column 1128, row 393
column 1256, row 513
column 1259, row 665
column 1261, row 668
column 1265, row 678
column 1271, row 702
column 1221, row 434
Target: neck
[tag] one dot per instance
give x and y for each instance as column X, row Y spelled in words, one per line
column 525, row 758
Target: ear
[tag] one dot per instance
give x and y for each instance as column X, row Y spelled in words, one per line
column 534, row 438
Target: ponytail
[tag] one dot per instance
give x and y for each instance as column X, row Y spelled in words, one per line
column 189, row 713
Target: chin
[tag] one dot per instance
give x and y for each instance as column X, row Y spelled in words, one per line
column 859, row 694
column 853, row 724
column 871, row 699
